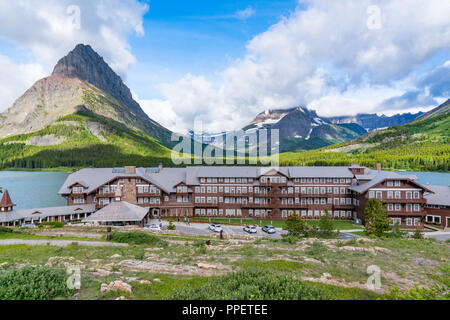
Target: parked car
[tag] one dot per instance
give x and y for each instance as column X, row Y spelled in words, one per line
column 28, row 225
column 269, row 229
column 153, row 227
column 250, row 229
column 216, row 227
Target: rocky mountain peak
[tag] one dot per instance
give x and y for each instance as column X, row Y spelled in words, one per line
column 86, row 64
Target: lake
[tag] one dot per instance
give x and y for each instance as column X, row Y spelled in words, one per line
column 40, row 189
column 433, row 178
column 30, row 190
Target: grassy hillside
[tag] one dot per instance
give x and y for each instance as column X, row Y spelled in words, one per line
column 420, row 145
column 81, row 140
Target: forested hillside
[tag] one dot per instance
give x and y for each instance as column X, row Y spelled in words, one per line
column 420, row 145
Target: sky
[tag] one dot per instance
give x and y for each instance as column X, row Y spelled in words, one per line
column 223, row 62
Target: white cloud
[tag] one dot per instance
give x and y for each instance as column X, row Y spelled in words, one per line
column 246, row 13
column 15, row 77
column 48, row 30
column 325, row 56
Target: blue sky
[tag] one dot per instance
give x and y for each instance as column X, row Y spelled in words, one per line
column 223, row 62
column 197, row 37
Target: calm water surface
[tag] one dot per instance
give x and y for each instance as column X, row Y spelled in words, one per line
column 40, row 189
column 30, row 190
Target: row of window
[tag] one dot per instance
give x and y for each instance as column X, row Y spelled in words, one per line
column 393, row 183
column 77, row 190
column 408, row 207
column 409, row 221
column 317, row 213
column 276, row 179
column 144, row 200
column 226, row 180
column 78, row 200
column 289, row 190
column 215, row 212
column 323, row 180
column 148, row 189
column 335, row 201
column 394, row 194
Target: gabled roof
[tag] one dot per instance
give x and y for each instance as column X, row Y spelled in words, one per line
column 380, row 176
column 6, row 200
column 81, row 182
column 119, row 211
column 94, row 178
column 271, row 170
column 45, row 212
column 440, row 197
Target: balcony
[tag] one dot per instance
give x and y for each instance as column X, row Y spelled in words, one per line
column 403, row 200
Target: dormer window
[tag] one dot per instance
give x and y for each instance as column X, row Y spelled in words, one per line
column 77, row 190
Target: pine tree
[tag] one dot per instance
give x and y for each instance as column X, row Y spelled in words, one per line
column 377, row 220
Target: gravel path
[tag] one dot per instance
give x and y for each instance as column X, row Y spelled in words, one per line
column 59, row 243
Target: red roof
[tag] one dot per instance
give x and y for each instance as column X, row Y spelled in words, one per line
column 6, row 200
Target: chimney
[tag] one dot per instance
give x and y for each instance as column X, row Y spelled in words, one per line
column 160, row 166
column 118, row 194
column 130, row 169
column 378, row 166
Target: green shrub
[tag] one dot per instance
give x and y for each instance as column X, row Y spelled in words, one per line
column 289, row 239
column 326, row 227
column 137, row 237
column 417, row 234
column 139, row 254
column 252, row 285
column 171, row 226
column 295, row 226
column 316, row 249
column 52, row 224
column 416, row 293
column 397, row 233
column 6, row 230
column 33, row 283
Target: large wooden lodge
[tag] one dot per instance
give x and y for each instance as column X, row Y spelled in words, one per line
column 252, row 192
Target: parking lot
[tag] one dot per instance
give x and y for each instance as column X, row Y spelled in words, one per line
column 203, row 229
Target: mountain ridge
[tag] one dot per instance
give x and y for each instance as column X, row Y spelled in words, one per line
column 80, row 80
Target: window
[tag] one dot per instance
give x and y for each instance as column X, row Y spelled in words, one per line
column 390, row 195
column 416, row 195
column 390, row 183
column 416, row 207
column 409, row 221
column 390, row 207
column 397, row 183
column 77, row 190
column 371, row 194
column 398, row 194
column 379, row 195
column 78, row 200
column 398, row 207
